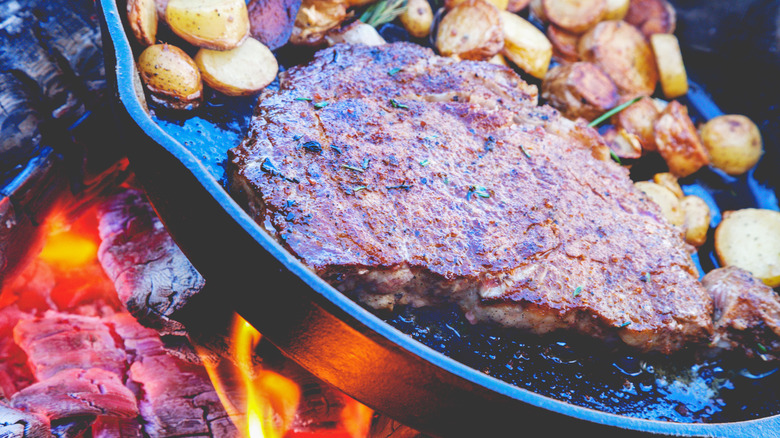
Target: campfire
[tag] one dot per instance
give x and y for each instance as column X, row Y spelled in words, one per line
column 99, row 337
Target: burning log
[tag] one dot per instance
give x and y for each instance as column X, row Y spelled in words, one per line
column 17, row 424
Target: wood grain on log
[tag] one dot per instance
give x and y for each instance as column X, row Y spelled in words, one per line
column 18, row 424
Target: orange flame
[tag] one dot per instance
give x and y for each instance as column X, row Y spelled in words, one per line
column 68, row 245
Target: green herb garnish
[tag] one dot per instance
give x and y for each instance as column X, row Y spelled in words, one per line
column 625, row 324
column 383, row 12
column 322, row 104
column 577, row 291
column 614, row 156
column 430, row 137
column 356, row 169
column 527, row 155
column 762, row 348
column 359, row 188
column 425, row 162
column 397, row 104
column 393, row 71
column 403, row 186
column 613, row 111
column 307, row 99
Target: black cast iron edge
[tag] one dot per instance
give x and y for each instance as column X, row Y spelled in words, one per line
column 319, row 327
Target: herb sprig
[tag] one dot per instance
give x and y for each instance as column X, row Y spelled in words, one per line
column 383, row 12
column 613, row 111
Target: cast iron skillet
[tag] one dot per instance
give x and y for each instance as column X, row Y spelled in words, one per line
column 316, row 325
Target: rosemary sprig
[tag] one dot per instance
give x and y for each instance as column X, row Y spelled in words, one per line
column 577, row 291
column 322, row 104
column 397, row 104
column 614, row 156
column 383, row 12
column 525, row 152
column 425, row 162
column 613, row 111
column 393, row 71
column 356, row 169
column 307, row 99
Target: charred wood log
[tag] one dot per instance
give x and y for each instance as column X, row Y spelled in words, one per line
column 18, row 424
column 73, row 427
column 19, row 119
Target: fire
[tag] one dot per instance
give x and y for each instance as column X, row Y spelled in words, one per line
column 70, row 245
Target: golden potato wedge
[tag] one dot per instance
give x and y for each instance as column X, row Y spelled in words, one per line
column 213, row 24
column 638, row 119
column 671, row 70
column 697, row 219
column 678, row 142
column 315, row 18
column 624, row 55
column 142, row 16
column 564, row 43
column 575, row 16
column 651, row 16
column 171, row 76
column 749, row 239
column 417, row 18
column 500, row 4
column 244, row 70
column 498, row 59
column 669, row 181
column 356, row 32
column 579, row 89
column 622, row 143
column 671, row 209
column 471, row 30
column 733, row 142
column 616, row 9
column 517, row 5
column 525, row 45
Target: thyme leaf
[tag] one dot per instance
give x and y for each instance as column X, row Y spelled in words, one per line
column 525, row 152
column 307, row 99
column 425, row 162
column 356, row 169
column 393, row 71
column 359, row 188
column 625, row 324
column 577, row 291
column 613, row 111
column 397, row 104
column 322, row 104
column 403, row 186
column 383, row 12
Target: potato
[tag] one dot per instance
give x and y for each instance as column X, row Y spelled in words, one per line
column 142, row 16
column 498, row 59
column 616, row 9
column 517, row 5
column 537, row 10
column 271, row 21
column 697, row 219
column 651, row 16
column 315, row 18
column 417, row 18
column 668, row 58
column 213, row 24
column 678, row 142
column 638, row 119
column 750, row 239
column 733, row 142
column 669, row 181
column 671, row 209
column 576, row 16
column 622, row 143
column 579, row 89
column 356, row 32
column 471, row 30
column 171, row 76
column 500, row 4
column 564, row 43
column 244, row 70
column 525, row 45
column 624, row 55
column 161, row 5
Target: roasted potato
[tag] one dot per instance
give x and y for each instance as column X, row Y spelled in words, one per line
column 244, row 70
column 315, row 18
column 500, row 4
column 160, row 6
column 579, row 89
column 417, row 18
column 624, row 55
column 671, row 209
column 651, row 16
column 517, row 5
column 669, row 181
column 622, row 143
column 142, row 16
column 271, row 21
column 171, row 76
column 213, row 24
column 697, row 219
column 498, row 59
column 525, row 45
column 750, row 239
column 733, row 142
column 356, row 32
column 616, row 9
column 678, row 142
column 671, row 70
column 471, row 30
column 575, row 16
column 564, row 43
column 537, row 9
column 638, row 119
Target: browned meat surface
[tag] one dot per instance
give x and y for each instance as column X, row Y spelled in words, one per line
column 405, row 178
column 747, row 312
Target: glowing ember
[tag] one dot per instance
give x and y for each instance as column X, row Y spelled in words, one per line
column 70, row 246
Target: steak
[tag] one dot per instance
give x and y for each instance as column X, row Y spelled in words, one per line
column 404, row 178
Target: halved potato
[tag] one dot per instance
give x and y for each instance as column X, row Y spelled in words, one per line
column 537, row 10
column 750, row 239
column 651, row 16
column 669, row 181
column 517, row 5
column 356, row 32
column 417, row 18
column 671, row 209
column 579, row 89
column 315, row 18
column 734, row 143
column 668, row 58
column 471, row 30
column 525, row 45
column 244, row 70
column 616, row 9
column 624, row 54
column 638, row 119
column 697, row 219
column 142, row 16
column 576, row 16
column 564, row 43
column 678, row 142
column 171, row 76
column 622, row 143
column 498, row 59
column 500, row 4
column 213, row 24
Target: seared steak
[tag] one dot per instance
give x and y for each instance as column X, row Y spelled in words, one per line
column 401, row 177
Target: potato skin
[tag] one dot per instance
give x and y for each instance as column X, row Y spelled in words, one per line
column 671, row 69
column 525, row 45
column 171, row 76
column 671, row 209
column 356, row 32
column 697, row 219
column 669, row 181
column 500, row 4
column 517, row 5
column 638, row 119
column 471, row 30
column 651, row 16
column 624, row 55
column 734, row 143
column 564, row 43
column 242, row 71
column 616, row 9
column 315, row 18
column 579, row 89
column 142, row 16
column 213, row 24
column 417, row 18
column 749, row 239
column 622, row 143
column 678, row 142
column 575, row 16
